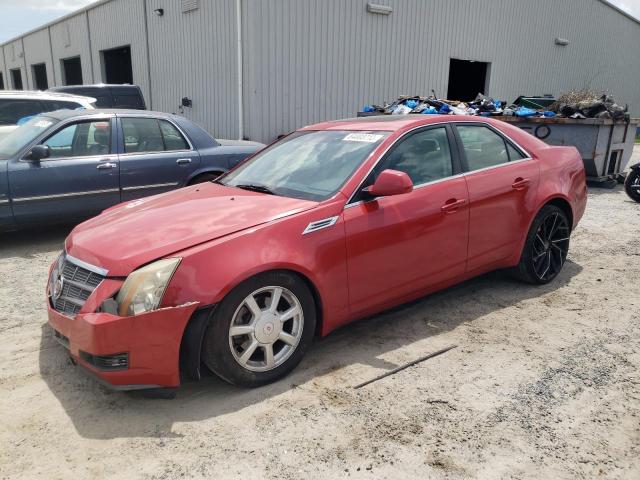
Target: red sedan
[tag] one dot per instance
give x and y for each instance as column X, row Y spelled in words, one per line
column 332, row 223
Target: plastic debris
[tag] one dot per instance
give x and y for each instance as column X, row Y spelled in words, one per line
column 579, row 104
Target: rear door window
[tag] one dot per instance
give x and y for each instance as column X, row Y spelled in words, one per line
column 173, row 139
column 151, row 135
column 483, row 147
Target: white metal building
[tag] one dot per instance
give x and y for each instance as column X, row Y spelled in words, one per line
column 260, row 68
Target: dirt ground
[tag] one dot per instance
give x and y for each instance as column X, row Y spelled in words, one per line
column 544, row 383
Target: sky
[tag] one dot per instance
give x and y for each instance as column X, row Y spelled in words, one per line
column 19, row 16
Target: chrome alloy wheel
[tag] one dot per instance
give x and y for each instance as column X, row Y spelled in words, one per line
column 266, row 328
column 550, row 246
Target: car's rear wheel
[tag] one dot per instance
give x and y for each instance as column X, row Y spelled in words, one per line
column 261, row 330
column 546, row 247
column 632, row 185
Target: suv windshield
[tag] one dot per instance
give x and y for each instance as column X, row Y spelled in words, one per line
column 23, row 135
column 310, row 165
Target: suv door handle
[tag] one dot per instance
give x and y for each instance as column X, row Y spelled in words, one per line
column 452, row 205
column 183, row 161
column 520, row 183
column 106, row 165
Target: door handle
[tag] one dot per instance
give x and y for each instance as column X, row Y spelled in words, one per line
column 183, row 161
column 453, row 205
column 520, row 183
column 106, row 166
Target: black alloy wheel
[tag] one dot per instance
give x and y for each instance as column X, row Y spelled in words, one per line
column 546, row 247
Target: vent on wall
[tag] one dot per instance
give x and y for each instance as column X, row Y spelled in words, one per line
column 190, row 5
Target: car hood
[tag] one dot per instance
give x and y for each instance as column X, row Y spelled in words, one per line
column 132, row 234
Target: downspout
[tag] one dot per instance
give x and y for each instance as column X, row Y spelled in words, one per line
column 240, row 87
column 5, row 70
column 26, row 71
column 53, row 66
column 146, row 36
column 93, row 74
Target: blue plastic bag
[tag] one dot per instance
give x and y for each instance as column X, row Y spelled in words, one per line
column 525, row 112
column 411, row 103
column 368, row 108
column 444, row 109
column 430, row 111
column 549, row 114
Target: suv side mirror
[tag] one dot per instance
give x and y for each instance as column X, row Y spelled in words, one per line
column 39, row 152
column 390, row 182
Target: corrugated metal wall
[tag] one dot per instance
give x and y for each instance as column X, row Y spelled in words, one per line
column 70, row 38
column 36, row 49
column 309, row 60
column 193, row 55
column 14, row 59
column 116, row 24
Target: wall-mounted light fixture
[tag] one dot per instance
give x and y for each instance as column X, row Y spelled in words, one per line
column 379, row 9
column 159, row 12
column 563, row 42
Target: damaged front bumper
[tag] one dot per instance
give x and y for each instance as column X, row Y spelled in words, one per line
column 126, row 353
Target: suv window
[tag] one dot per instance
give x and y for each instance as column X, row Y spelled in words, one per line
column 81, row 139
column 12, row 110
column 151, row 135
column 485, row 148
column 424, row 156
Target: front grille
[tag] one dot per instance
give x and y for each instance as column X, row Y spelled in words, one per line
column 78, row 284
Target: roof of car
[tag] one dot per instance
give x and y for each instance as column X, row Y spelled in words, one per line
column 382, row 122
column 95, row 85
column 29, row 94
column 65, row 114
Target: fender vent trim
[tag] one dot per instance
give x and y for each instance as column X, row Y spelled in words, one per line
column 320, row 224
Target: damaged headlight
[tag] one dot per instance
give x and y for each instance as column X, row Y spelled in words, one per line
column 143, row 289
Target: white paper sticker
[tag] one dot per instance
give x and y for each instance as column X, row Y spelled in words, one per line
column 42, row 123
column 362, row 137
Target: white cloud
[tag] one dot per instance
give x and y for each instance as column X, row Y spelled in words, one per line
column 56, row 5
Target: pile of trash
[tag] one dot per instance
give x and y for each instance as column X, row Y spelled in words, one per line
column 581, row 104
column 589, row 104
column 431, row 105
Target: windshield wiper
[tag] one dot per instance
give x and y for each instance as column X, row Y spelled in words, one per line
column 255, row 188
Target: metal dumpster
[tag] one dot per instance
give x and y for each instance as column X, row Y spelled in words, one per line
column 604, row 144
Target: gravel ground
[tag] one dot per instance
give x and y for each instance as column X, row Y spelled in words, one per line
column 544, row 384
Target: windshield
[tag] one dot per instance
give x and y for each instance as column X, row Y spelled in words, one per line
column 16, row 140
column 310, row 165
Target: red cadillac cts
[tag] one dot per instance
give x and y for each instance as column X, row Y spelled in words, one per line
column 334, row 222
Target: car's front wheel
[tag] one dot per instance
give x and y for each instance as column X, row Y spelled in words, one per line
column 546, row 247
column 261, row 330
column 632, row 185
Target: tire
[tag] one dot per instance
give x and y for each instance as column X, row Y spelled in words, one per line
column 632, row 185
column 204, row 177
column 241, row 356
column 545, row 249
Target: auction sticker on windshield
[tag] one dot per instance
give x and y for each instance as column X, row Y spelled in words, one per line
column 363, row 137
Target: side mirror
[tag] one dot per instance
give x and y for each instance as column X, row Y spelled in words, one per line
column 390, row 182
column 39, row 152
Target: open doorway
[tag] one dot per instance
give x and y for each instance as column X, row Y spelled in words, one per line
column 1, row 81
column 116, row 65
column 71, row 71
column 40, row 76
column 16, row 79
column 467, row 78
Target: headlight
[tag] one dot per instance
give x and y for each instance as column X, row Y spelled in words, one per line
column 143, row 289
